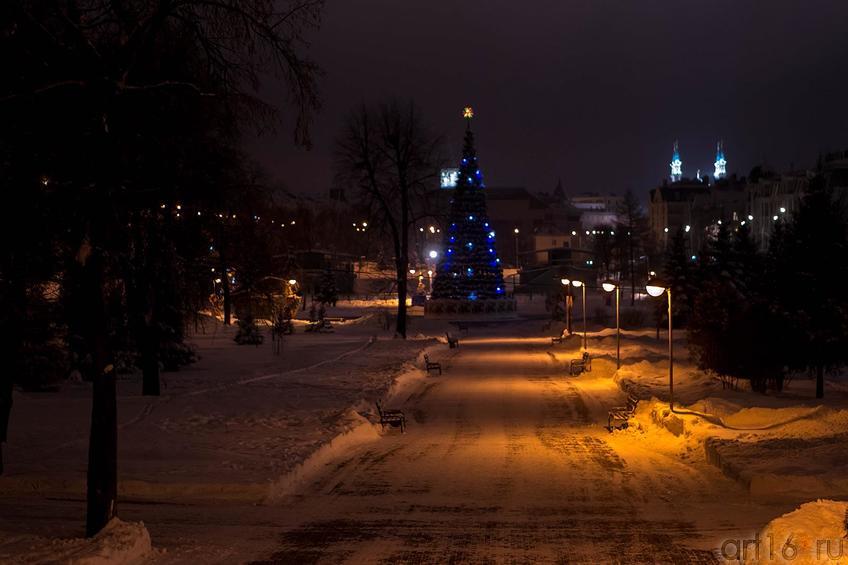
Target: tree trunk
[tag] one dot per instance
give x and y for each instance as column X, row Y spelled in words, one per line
column 102, row 477
column 5, row 412
column 11, row 348
column 400, row 325
column 820, row 381
column 403, row 258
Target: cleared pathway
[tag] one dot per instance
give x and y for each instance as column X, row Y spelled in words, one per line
column 506, row 461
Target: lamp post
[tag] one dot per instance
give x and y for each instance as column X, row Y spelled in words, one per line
column 567, row 284
column 609, row 287
column 516, row 231
column 579, row 284
column 655, row 289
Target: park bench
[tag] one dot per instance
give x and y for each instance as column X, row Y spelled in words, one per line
column 453, row 341
column 622, row 413
column 393, row 418
column 584, row 364
column 324, row 326
column 431, row 366
column 559, row 338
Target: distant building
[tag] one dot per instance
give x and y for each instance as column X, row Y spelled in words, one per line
column 672, row 207
column 597, row 211
column 772, row 197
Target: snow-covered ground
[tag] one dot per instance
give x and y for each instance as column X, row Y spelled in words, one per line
column 235, row 427
column 785, row 441
column 248, row 455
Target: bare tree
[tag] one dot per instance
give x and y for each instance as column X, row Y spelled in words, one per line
column 391, row 157
column 631, row 234
column 103, row 71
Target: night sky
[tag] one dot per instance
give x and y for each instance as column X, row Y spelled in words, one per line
column 594, row 92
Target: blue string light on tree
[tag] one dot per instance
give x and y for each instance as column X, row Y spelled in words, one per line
column 476, row 258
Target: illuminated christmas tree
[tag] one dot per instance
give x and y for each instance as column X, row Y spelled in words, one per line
column 469, row 268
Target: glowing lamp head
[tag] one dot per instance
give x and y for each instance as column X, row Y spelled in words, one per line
column 468, row 112
column 655, row 290
column 577, row 284
column 434, row 254
column 292, row 282
column 411, row 271
column 515, row 230
column 565, row 282
column 609, row 287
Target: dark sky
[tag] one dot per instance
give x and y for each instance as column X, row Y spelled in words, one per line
column 592, row 91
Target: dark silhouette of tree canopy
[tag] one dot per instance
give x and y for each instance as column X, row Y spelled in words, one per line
column 109, row 109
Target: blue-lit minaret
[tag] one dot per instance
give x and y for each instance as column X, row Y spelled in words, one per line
column 676, row 165
column 720, row 162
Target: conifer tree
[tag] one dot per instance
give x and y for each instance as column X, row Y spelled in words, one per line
column 811, row 266
column 679, row 273
column 327, row 292
column 469, row 268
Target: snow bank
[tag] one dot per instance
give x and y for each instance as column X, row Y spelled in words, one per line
column 814, row 534
column 793, row 453
column 358, row 431
column 119, row 543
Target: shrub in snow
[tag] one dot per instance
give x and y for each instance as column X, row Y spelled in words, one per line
column 248, row 333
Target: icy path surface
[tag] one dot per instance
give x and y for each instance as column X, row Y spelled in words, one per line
column 506, row 460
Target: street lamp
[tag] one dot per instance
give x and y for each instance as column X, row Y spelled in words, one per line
column 516, row 231
column 568, row 302
column 655, row 289
column 579, row 284
column 609, row 287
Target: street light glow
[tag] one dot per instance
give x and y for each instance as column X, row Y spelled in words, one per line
column 565, row 282
column 577, row 284
column 609, row 287
column 515, row 230
column 434, row 254
column 292, row 282
column 654, row 290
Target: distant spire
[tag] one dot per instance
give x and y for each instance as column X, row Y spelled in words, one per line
column 720, row 162
column 676, row 164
